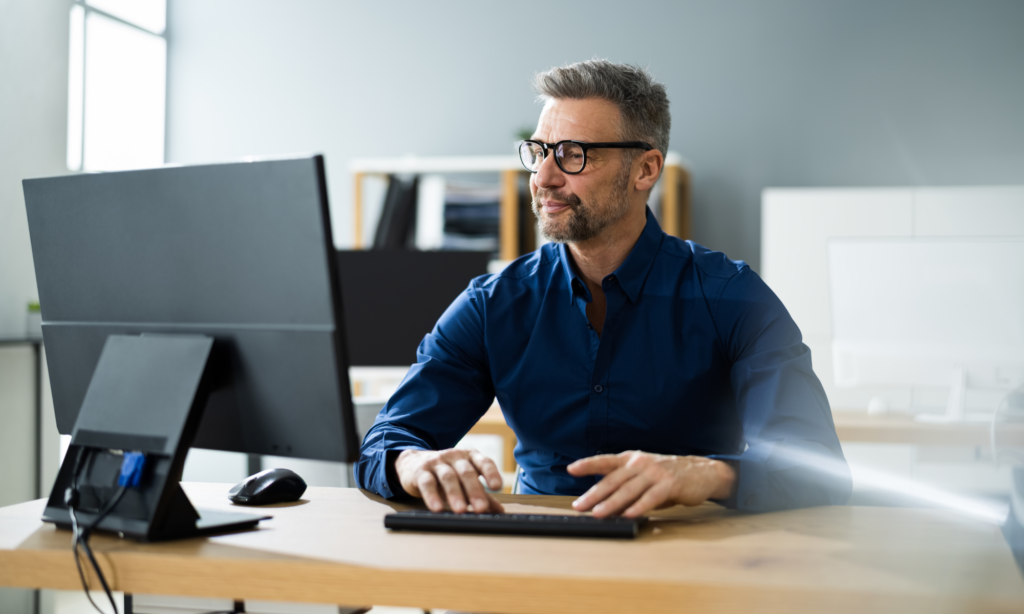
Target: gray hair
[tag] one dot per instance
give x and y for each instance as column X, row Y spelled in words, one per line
column 642, row 101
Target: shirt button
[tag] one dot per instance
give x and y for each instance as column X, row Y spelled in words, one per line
column 598, row 389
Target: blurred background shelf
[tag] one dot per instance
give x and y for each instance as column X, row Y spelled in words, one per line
column 670, row 199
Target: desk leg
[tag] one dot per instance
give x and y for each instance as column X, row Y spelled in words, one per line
column 38, row 348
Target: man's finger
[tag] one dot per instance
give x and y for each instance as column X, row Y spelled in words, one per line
column 655, row 497
column 452, row 486
column 470, row 478
column 603, row 489
column 624, row 496
column 487, row 469
column 427, row 485
column 602, row 464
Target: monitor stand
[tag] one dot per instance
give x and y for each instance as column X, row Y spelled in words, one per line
column 146, row 395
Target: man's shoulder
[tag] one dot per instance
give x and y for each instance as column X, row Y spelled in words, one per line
column 710, row 263
column 525, row 270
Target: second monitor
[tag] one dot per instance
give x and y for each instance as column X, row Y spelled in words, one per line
column 392, row 298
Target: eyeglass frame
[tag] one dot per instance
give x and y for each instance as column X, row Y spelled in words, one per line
column 583, row 146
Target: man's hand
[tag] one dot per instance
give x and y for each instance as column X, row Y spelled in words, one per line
column 638, row 482
column 449, row 475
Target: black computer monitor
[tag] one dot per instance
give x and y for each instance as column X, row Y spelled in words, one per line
column 393, row 298
column 139, row 267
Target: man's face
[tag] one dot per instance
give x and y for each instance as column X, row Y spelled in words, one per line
column 575, row 208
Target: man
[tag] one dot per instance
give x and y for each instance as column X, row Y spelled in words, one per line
column 614, row 351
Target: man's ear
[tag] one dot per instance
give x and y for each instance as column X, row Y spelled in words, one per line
column 650, row 162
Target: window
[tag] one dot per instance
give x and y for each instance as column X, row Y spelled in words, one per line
column 117, row 83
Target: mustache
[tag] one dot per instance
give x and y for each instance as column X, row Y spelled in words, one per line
column 568, row 197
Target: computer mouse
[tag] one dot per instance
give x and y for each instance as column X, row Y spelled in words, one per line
column 266, row 487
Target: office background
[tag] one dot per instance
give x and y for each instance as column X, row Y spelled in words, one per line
column 764, row 93
column 779, row 93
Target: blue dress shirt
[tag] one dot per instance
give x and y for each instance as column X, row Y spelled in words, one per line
column 697, row 356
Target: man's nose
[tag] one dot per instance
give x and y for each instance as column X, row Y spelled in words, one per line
column 549, row 175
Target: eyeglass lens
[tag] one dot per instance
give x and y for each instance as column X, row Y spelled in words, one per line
column 570, row 156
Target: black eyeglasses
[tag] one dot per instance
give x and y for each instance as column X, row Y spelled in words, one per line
column 571, row 156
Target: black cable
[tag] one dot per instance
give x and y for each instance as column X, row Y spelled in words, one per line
column 82, row 534
column 78, row 561
column 87, row 533
column 71, row 499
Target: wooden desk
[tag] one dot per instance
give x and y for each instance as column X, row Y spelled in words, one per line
column 334, row 549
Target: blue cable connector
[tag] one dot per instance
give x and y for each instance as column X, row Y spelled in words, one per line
column 131, row 469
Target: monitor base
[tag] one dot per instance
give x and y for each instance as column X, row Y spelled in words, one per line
column 146, row 396
column 210, row 522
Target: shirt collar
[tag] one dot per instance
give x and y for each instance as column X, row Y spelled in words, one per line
column 575, row 284
column 632, row 273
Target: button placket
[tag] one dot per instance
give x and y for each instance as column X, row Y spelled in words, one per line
column 598, row 423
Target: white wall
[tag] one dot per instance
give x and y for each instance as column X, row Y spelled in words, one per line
column 33, row 134
column 33, row 116
column 783, row 93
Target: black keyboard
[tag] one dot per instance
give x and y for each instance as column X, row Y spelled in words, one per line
column 514, row 524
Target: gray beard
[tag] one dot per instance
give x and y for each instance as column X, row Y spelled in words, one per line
column 587, row 220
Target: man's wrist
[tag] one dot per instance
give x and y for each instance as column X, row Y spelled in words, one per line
column 401, row 456
column 391, row 473
column 725, row 478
